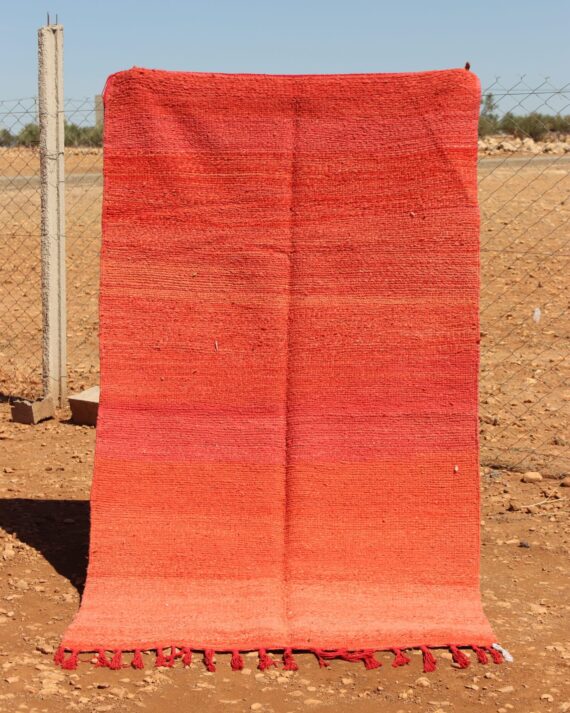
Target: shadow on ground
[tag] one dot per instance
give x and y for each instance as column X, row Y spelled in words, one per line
column 58, row 529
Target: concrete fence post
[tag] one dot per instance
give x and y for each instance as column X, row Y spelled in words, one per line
column 52, row 176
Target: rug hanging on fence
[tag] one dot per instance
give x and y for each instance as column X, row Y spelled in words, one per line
column 287, row 448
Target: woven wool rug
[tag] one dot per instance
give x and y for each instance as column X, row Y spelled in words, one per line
column 287, row 447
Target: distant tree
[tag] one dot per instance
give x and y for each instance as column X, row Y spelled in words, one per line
column 560, row 123
column 82, row 135
column 533, row 125
column 488, row 119
column 6, row 138
column 29, row 135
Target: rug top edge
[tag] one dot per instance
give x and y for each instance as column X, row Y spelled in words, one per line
column 292, row 76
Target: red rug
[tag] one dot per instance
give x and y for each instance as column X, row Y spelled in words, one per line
column 287, row 448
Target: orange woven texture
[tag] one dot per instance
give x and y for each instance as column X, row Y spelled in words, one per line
column 287, row 448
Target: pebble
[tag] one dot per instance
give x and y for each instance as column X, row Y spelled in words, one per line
column 9, row 552
column 347, row 681
column 547, row 697
column 538, row 608
column 565, row 483
column 49, row 689
column 256, row 706
column 312, row 702
column 44, row 648
column 423, row 681
column 118, row 692
column 531, row 477
column 506, row 689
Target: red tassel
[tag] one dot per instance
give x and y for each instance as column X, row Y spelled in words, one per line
column 102, row 660
column 236, row 661
column 481, row 655
column 70, row 663
column 400, row 658
column 160, row 658
column 186, row 656
column 370, row 661
column 459, row 657
column 289, row 663
column 265, row 661
column 163, row 659
column 116, row 662
column 209, row 660
column 429, row 660
column 137, row 661
column 320, row 654
column 59, row 656
column 497, row 656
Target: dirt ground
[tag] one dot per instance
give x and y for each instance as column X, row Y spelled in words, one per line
column 44, row 516
column 45, row 476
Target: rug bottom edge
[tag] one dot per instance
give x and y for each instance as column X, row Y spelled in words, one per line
column 168, row 654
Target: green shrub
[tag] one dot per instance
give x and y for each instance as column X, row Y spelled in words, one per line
column 82, row 135
column 488, row 120
column 535, row 125
column 6, row 138
column 29, row 135
column 532, row 125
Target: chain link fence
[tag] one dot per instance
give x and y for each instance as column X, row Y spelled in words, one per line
column 20, row 284
column 524, row 190
column 84, row 189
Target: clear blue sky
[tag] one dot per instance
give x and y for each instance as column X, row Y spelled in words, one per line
column 292, row 36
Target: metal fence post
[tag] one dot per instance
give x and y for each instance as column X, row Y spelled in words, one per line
column 52, row 173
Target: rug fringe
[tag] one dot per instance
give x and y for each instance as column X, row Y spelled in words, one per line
column 265, row 661
column 117, row 660
column 137, row 661
column 68, row 658
column 236, row 661
column 186, row 655
column 400, row 659
column 365, row 655
column 459, row 657
column 68, row 663
column 507, row 656
column 494, row 654
column 289, row 663
column 481, row 655
column 209, row 660
column 102, row 660
column 429, row 659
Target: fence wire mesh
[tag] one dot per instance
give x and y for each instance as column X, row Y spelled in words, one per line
column 524, row 165
column 83, row 195
column 20, row 286
column 524, row 187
